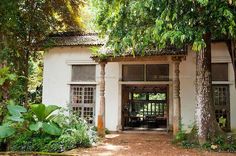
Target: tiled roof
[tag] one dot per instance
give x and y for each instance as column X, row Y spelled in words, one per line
column 75, row 39
column 92, row 39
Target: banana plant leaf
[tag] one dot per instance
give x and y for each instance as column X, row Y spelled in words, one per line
column 43, row 112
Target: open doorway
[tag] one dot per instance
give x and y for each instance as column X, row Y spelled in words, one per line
column 145, row 107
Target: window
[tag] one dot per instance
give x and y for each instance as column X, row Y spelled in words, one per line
column 83, row 96
column 83, row 73
column 219, row 72
column 149, row 72
column 133, row 73
column 157, row 72
column 83, row 101
column 222, row 105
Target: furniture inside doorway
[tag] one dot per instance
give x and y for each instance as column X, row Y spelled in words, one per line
column 145, row 107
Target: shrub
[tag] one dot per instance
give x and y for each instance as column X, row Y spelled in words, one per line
column 78, row 134
column 30, row 142
column 63, row 143
column 37, row 129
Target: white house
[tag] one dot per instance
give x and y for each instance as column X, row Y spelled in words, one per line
column 140, row 92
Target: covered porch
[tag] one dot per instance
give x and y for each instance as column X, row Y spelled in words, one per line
column 150, row 100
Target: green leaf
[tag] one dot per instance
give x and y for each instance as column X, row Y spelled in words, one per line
column 15, row 118
column 49, row 109
column 16, row 110
column 35, row 126
column 6, row 131
column 38, row 110
column 51, row 129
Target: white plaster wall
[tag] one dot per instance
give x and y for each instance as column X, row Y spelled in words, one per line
column 57, row 73
column 112, row 96
column 187, row 89
column 57, row 78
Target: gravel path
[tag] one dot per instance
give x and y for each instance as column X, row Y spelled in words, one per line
column 147, row 144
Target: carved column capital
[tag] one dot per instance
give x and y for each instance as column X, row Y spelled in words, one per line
column 177, row 58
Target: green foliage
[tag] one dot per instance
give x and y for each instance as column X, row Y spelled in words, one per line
column 51, row 128
column 40, row 129
column 42, row 119
column 63, row 143
column 145, row 24
column 15, row 112
column 35, row 78
column 30, row 142
column 220, row 143
column 43, row 112
column 78, row 135
column 22, row 31
column 37, row 118
column 6, row 131
column 6, row 75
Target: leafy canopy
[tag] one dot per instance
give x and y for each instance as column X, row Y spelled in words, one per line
column 24, row 24
column 142, row 24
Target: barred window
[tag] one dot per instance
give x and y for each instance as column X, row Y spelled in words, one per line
column 83, row 101
column 83, row 73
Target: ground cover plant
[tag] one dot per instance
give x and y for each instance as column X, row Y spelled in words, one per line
column 225, row 143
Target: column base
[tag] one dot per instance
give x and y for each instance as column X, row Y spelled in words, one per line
column 101, row 128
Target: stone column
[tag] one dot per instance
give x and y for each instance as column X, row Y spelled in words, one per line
column 101, row 114
column 176, row 96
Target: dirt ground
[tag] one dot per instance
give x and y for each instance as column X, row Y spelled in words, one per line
column 147, row 144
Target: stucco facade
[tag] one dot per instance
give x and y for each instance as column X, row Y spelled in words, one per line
column 58, row 63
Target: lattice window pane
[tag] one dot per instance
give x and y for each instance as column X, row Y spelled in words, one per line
column 133, row 73
column 89, row 95
column 77, row 111
column 88, row 114
column 77, row 92
column 83, row 72
column 221, row 95
column 83, row 101
column 157, row 72
column 222, row 104
column 219, row 72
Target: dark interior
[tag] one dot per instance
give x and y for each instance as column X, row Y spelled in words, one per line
column 145, row 106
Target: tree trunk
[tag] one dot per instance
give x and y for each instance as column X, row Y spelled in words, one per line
column 205, row 114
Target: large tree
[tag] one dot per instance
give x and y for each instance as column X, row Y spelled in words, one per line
column 25, row 23
column 143, row 24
